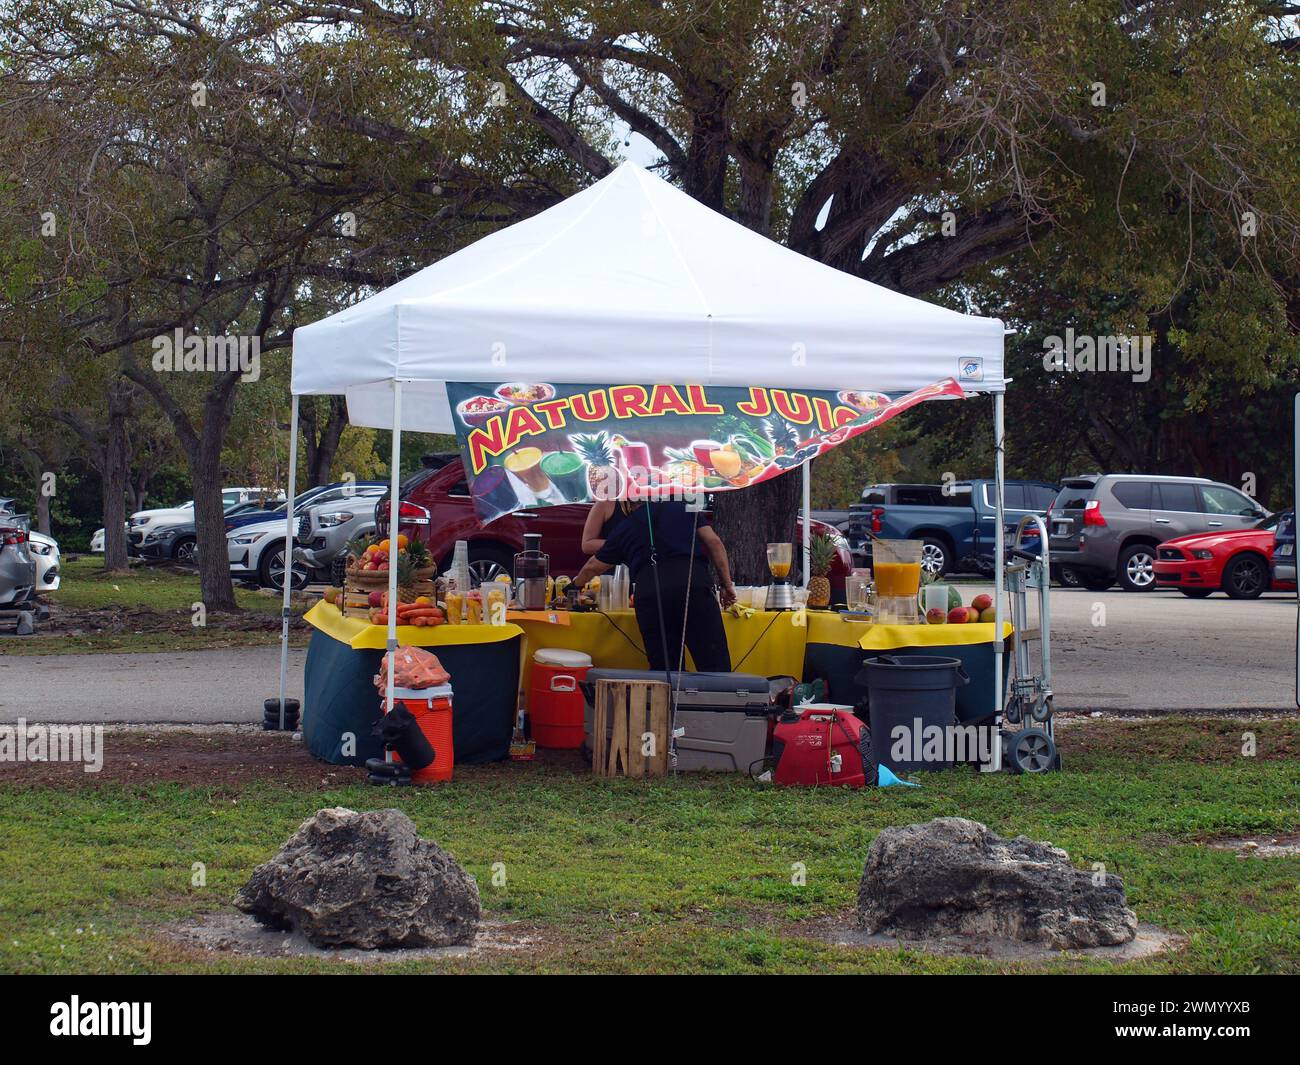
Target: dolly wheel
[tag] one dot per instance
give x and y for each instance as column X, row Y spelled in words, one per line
column 1032, row 751
column 1041, row 710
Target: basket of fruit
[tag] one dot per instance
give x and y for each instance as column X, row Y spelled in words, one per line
column 369, row 563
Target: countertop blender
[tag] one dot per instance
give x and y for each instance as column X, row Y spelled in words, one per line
column 780, row 596
column 531, row 570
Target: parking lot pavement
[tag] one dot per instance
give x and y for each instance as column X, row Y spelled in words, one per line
column 1153, row 653
column 193, row 687
column 1162, row 652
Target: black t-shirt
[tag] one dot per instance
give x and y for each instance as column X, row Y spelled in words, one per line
column 673, row 528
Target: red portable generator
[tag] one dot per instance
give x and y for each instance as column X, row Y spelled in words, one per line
column 822, row 743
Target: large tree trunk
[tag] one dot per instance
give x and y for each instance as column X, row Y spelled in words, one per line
column 113, row 480
column 321, row 442
column 42, row 512
column 209, row 516
column 750, row 518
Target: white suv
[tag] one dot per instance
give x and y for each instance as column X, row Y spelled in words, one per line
column 256, row 551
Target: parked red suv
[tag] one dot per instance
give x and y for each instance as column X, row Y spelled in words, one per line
column 436, row 507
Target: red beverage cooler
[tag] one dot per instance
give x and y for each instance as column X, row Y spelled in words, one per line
column 555, row 705
column 431, row 708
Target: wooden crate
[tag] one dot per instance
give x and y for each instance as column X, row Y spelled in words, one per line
column 625, row 711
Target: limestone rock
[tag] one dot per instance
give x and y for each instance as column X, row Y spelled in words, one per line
column 348, row 879
column 954, row 877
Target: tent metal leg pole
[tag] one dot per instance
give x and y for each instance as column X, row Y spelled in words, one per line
column 287, row 580
column 394, row 527
column 999, row 548
column 807, row 520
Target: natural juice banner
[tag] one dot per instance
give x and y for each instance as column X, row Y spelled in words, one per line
column 537, row 445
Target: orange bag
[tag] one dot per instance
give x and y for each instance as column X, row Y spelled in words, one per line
column 416, row 668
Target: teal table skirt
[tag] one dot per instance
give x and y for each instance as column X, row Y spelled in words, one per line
column 341, row 705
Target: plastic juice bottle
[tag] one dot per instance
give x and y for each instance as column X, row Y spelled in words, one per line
column 455, row 606
column 897, row 578
column 496, row 604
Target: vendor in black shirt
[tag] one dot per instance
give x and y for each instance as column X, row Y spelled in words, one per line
column 678, row 544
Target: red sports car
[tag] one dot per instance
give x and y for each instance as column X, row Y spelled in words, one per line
column 1235, row 562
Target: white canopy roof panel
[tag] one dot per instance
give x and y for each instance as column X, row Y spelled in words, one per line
column 633, row 281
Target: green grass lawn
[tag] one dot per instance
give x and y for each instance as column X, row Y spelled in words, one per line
column 685, row 875
column 148, row 608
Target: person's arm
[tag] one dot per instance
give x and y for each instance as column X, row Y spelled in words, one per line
column 593, row 567
column 592, row 541
column 718, row 555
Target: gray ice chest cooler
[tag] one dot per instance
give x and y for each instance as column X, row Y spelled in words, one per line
column 723, row 716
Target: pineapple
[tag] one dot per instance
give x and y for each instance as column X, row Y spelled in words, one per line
column 406, row 592
column 418, row 553
column 783, row 435
column 821, row 552
column 597, row 450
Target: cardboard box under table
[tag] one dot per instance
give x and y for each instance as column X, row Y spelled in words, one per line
column 340, row 698
column 836, row 650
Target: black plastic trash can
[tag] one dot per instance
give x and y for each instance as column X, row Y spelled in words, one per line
column 913, row 692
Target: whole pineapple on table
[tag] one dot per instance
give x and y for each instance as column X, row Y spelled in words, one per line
column 406, row 578
column 821, row 553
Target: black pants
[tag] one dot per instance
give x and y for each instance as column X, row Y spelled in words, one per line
column 705, row 637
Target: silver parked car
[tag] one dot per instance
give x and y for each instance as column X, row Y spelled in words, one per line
column 257, row 551
column 17, row 567
column 45, row 552
column 325, row 530
column 1104, row 528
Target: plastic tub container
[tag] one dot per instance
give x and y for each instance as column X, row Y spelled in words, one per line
column 555, row 703
column 914, row 692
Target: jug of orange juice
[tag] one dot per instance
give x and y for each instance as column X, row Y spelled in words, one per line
column 896, row 565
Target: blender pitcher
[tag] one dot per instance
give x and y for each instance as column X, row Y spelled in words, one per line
column 896, row 565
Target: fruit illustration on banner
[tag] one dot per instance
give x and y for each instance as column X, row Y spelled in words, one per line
column 603, row 477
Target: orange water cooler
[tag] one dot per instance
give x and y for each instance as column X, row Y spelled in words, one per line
column 431, row 708
column 555, row 703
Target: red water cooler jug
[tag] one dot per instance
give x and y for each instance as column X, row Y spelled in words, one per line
column 555, row 703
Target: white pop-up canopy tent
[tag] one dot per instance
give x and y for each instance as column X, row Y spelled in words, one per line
column 635, row 279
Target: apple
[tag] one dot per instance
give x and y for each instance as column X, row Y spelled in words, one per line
column 936, row 615
column 957, row 616
column 982, row 602
column 989, row 615
column 375, row 599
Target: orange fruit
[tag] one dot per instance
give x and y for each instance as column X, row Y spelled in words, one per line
column 383, row 545
column 402, row 541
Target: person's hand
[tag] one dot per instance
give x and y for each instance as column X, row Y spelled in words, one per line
column 728, row 595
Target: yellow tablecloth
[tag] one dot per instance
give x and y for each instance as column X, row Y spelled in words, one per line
column 769, row 643
column 356, row 631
